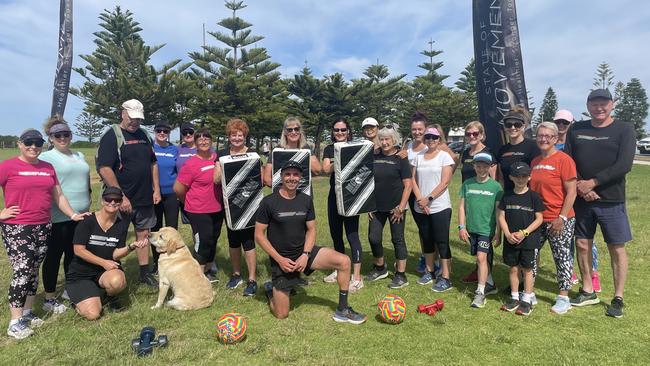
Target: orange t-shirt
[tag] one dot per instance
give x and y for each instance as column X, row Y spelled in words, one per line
column 547, row 177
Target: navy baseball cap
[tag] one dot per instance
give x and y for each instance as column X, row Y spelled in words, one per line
column 599, row 93
column 520, row 169
column 291, row 164
column 112, row 191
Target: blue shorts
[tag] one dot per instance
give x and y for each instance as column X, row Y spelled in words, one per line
column 479, row 243
column 611, row 216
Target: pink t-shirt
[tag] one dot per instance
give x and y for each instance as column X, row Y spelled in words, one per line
column 203, row 196
column 28, row 186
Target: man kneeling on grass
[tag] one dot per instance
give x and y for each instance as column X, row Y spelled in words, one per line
column 286, row 230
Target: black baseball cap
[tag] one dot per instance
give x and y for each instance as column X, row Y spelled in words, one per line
column 520, row 169
column 186, row 126
column 112, row 191
column 514, row 115
column 31, row 134
column 163, row 124
column 291, row 164
column 599, row 93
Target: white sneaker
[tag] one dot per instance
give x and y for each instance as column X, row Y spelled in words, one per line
column 32, row 320
column 20, row 329
column 65, row 296
column 356, row 285
column 54, row 306
column 331, row 278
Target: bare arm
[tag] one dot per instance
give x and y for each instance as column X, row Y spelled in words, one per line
column 328, row 166
column 315, row 165
column 64, row 205
column 108, row 176
column 156, row 183
column 181, row 190
column 217, row 173
column 267, row 178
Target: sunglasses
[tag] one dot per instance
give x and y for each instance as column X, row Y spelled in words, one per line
column 188, row 132
column 294, row 129
column 162, row 130
column 60, row 135
column 472, row 134
column 33, row 142
column 113, row 200
column 545, row 137
column 340, row 129
column 431, row 137
column 562, row 122
column 511, row 124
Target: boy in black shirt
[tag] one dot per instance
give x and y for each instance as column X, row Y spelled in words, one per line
column 286, row 230
column 519, row 215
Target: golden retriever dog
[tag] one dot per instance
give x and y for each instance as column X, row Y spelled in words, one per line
column 180, row 271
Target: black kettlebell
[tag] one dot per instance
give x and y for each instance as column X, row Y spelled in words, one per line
column 144, row 345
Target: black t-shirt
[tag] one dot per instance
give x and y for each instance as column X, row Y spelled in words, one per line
column 467, row 163
column 97, row 241
column 286, row 220
column 328, row 152
column 520, row 212
column 389, row 172
column 137, row 155
column 509, row 154
column 605, row 153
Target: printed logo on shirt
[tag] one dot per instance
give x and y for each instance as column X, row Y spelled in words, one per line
column 292, row 213
column 167, row 155
column 543, row 167
column 480, row 192
column 519, row 207
column 103, row 241
column 133, row 142
column 512, row 153
column 383, row 161
column 207, row 167
column 186, row 155
column 591, row 138
column 32, row 174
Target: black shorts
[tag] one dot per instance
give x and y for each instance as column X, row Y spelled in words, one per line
column 285, row 281
column 514, row 255
column 244, row 238
column 479, row 243
column 80, row 289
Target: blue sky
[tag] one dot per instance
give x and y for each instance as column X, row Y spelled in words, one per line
column 562, row 41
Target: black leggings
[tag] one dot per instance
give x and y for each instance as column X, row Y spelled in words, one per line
column 435, row 233
column 26, row 247
column 58, row 244
column 419, row 218
column 208, row 228
column 337, row 222
column 375, row 235
column 167, row 207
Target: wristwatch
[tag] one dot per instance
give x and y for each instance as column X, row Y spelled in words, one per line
column 130, row 247
column 564, row 218
column 430, row 198
column 461, row 227
column 306, row 252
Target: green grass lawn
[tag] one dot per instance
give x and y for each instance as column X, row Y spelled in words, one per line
column 457, row 335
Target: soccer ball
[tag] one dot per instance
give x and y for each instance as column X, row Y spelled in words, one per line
column 392, row 309
column 231, row 328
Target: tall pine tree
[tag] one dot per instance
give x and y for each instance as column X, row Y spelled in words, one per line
column 633, row 106
column 548, row 108
column 604, row 77
column 89, row 126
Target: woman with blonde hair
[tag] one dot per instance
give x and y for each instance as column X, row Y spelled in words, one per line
column 474, row 137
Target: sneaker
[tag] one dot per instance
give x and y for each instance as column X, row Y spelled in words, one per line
column 615, row 310
column 20, row 329
column 32, row 320
column 426, row 279
column 54, row 306
column 437, row 270
column 356, row 285
column 114, row 304
column 511, row 305
column 491, row 289
column 65, row 296
column 268, row 290
column 562, row 305
column 574, row 279
column 211, row 276
column 398, row 281
column 154, row 271
column 525, row 308
column 331, row 278
column 377, row 274
column 149, row 281
column 234, row 282
column 348, row 315
column 533, row 299
column 479, row 300
column 251, row 288
column 471, row 277
column 595, row 281
column 422, row 266
column 442, row 285
column 584, row 298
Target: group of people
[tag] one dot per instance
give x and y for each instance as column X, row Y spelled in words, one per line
column 530, row 191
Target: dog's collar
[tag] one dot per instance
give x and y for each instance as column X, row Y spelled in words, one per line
column 178, row 248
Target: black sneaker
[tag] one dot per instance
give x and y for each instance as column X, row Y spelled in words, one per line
column 149, row 281
column 585, row 298
column 376, row 274
column 251, row 288
column 268, row 290
column 212, row 277
column 511, row 305
column 525, row 308
column 490, row 289
column 398, row 281
column 348, row 315
column 615, row 310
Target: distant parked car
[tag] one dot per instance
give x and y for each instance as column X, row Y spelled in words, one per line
column 457, row 146
column 643, row 145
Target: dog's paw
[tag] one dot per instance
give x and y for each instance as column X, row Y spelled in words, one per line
column 156, row 307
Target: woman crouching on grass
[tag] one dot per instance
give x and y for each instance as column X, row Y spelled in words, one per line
column 99, row 244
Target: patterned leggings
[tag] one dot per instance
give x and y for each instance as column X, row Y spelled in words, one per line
column 26, row 247
column 561, row 250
